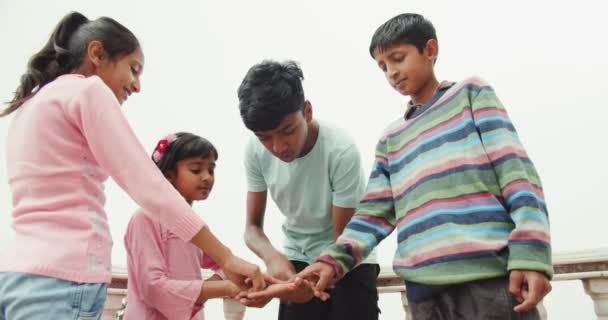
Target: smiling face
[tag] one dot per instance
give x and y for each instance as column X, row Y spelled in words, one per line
column 194, row 177
column 122, row 74
column 406, row 68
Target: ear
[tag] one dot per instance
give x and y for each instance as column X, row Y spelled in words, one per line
column 96, row 53
column 308, row 111
column 432, row 49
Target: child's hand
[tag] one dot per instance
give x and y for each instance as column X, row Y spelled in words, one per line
column 230, row 289
column 322, row 274
column 261, row 298
column 238, row 270
column 528, row 287
column 303, row 292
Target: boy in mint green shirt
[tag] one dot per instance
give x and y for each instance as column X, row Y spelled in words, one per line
column 313, row 173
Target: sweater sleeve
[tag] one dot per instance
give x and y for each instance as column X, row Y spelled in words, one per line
column 171, row 297
column 520, row 186
column 97, row 114
column 373, row 221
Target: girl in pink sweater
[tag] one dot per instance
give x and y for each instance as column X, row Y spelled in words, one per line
column 164, row 271
column 67, row 135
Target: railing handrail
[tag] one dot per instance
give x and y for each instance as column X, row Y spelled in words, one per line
column 568, row 265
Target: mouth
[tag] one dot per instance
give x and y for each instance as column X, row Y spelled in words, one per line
column 127, row 93
column 399, row 83
column 286, row 157
column 204, row 189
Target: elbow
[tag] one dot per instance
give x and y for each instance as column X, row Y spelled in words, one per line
column 250, row 235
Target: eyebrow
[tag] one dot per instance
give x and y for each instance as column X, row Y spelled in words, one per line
column 287, row 126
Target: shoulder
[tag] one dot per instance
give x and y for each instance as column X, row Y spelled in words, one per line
column 473, row 84
column 79, row 84
column 253, row 147
column 391, row 129
column 335, row 136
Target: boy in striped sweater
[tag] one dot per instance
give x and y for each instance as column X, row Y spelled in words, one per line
column 454, row 181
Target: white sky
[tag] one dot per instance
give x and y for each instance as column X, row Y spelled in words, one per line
column 546, row 59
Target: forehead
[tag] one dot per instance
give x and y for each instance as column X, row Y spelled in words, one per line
column 136, row 56
column 383, row 53
column 287, row 121
column 209, row 160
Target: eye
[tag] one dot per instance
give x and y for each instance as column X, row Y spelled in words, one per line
column 195, row 171
column 398, row 57
column 263, row 138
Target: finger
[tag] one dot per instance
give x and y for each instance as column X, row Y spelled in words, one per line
column 309, row 272
column 321, row 295
column 325, row 276
column 272, row 291
column 324, row 296
column 516, row 280
column 258, row 280
column 532, row 296
column 254, row 303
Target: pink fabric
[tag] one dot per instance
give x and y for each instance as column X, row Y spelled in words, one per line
column 62, row 145
column 164, row 272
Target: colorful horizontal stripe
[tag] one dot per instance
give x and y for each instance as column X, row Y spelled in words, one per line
column 458, row 187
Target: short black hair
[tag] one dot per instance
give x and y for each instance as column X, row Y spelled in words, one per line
column 406, row 28
column 270, row 91
column 187, row 145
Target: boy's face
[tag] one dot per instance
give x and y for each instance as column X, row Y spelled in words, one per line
column 406, row 69
column 287, row 141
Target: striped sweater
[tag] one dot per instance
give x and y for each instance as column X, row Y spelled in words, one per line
column 457, row 185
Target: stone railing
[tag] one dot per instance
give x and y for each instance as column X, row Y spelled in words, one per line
column 588, row 266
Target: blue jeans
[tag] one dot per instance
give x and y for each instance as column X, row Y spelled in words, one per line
column 32, row 297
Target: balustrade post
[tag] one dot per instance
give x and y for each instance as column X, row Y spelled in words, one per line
column 597, row 288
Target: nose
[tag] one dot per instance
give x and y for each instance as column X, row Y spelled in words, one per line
column 206, row 175
column 278, row 146
column 392, row 73
column 136, row 85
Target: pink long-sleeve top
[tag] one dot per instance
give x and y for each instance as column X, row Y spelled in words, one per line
column 164, row 272
column 62, row 145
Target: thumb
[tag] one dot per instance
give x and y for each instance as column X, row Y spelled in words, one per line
column 516, row 280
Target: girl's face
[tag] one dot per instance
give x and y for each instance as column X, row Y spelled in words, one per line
column 194, row 177
column 122, row 73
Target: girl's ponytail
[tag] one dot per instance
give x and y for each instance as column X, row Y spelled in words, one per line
column 52, row 61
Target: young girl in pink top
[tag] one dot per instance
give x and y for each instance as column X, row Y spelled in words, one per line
column 67, row 135
column 164, row 271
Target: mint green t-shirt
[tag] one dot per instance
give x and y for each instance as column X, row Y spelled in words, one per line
column 305, row 189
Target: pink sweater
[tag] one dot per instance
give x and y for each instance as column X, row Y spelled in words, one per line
column 164, row 272
column 62, row 145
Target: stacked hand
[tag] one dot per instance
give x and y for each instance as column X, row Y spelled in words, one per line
column 282, row 282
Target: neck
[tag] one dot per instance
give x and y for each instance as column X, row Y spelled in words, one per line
column 86, row 69
column 426, row 92
column 311, row 139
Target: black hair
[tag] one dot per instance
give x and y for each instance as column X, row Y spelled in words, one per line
column 187, row 145
column 406, row 28
column 65, row 51
column 270, row 91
